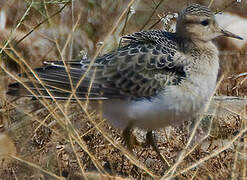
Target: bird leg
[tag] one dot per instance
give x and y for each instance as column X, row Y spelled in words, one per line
column 152, row 142
column 129, row 140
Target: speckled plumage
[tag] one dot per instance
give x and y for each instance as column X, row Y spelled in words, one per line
column 139, row 69
column 198, row 10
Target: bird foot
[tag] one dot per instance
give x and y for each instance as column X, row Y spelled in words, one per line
column 150, row 140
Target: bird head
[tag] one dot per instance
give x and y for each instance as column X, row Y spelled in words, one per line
column 197, row 22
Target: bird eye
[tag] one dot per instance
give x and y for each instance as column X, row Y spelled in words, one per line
column 204, row 23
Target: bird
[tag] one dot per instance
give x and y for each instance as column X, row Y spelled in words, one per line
column 153, row 80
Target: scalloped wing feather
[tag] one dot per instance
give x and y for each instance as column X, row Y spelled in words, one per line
column 142, row 68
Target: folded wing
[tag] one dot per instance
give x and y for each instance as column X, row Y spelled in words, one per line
column 141, row 68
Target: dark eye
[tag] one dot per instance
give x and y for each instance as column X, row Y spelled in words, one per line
column 204, row 23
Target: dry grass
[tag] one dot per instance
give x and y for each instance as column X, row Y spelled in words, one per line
column 66, row 139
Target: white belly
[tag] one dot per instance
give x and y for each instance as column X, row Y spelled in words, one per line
column 171, row 107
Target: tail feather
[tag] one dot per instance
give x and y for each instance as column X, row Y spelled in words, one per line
column 56, row 82
column 50, row 91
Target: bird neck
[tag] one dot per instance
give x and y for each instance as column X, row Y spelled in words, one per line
column 187, row 44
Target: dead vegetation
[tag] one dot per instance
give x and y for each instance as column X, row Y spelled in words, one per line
column 44, row 139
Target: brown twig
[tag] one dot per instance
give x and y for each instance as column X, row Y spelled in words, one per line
column 126, row 20
column 225, row 7
column 42, row 22
column 155, row 9
column 157, row 22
